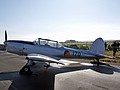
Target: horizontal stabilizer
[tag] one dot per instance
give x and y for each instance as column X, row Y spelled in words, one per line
column 104, row 56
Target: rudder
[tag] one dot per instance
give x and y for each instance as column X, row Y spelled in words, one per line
column 98, row 46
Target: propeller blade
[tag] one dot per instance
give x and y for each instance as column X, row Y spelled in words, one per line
column 5, row 35
column 5, row 44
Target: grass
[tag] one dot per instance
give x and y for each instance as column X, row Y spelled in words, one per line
column 107, row 52
column 110, row 53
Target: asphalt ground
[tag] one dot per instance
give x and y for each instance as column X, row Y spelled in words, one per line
column 83, row 77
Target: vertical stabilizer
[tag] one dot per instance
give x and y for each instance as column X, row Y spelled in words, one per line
column 98, row 46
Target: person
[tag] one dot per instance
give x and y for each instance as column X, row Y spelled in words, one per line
column 105, row 45
column 115, row 46
column 118, row 44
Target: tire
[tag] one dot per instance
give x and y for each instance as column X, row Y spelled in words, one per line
column 25, row 71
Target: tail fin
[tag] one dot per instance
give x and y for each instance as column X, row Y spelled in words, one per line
column 98, row 46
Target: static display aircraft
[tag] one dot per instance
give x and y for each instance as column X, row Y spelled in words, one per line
column 46, row 50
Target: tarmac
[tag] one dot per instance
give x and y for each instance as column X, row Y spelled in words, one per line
column 83, row 77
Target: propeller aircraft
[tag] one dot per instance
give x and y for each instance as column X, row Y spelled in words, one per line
column 50, row 51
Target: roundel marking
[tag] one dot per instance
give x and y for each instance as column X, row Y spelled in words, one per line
column 66, row 53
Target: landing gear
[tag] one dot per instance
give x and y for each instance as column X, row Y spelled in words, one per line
column 26, row 70
column 98, row 63
column 47, row 66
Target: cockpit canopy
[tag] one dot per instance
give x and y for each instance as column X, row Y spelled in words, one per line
column 47, row 42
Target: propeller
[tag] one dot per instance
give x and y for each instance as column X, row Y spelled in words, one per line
column 5, row 44
column 5, row 35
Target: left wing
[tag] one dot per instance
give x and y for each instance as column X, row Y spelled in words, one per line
column 43, row 58
column 51, row 59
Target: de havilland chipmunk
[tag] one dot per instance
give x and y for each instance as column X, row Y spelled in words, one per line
column 50, row 51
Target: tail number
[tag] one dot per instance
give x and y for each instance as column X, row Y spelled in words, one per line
column 75, row 53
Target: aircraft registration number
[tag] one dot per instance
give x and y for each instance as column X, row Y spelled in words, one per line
column 75, row 53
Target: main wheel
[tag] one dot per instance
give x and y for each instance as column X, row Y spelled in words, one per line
column 25, row 71
column 47, row 65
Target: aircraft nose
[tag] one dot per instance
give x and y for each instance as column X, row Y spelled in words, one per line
column 5, row 44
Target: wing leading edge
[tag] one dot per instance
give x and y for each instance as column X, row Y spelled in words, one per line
column 43, row 58
column 51, row 59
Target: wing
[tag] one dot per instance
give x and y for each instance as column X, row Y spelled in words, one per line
column 43, row 58
column 51, row 59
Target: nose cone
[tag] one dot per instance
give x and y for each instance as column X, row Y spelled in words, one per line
column 5, row 45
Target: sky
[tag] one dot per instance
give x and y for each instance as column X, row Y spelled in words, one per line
column 60, row 20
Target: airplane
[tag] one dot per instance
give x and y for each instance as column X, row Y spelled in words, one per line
column 51, row 51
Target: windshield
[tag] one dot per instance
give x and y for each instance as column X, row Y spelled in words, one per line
column 47, row 42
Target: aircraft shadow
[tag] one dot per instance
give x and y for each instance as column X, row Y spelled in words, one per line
column 100, row 69
column 45, row 79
